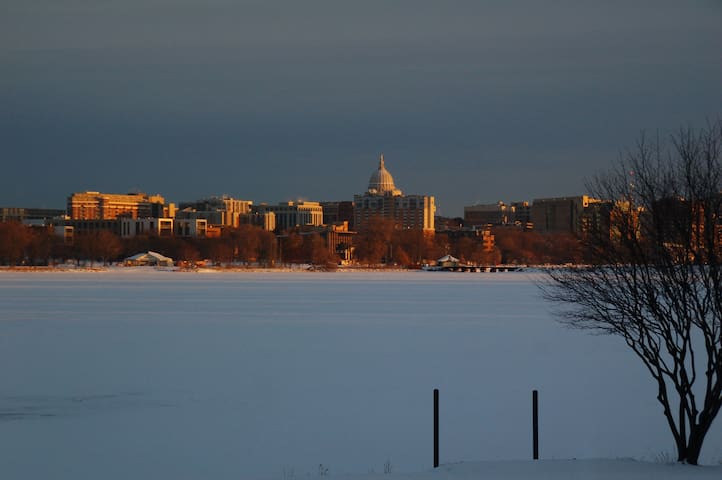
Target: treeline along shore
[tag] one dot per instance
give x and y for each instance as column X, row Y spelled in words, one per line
column 379, row 245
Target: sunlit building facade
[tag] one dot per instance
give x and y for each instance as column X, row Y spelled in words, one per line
column 294, row 214
column 218, row 211
column 108, row 206
column 383, row 200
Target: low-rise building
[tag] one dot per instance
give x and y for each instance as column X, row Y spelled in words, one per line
column 335, row 212
column 132, row 227
column 127, row 227
column 65, row 232
column 260, row 218
column 218, row 211
column 196, row 227
column 500, row 213
column 339, row 240
column 294, row 214
column 29, row 216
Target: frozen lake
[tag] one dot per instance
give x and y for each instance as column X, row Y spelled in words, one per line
column 145, row 374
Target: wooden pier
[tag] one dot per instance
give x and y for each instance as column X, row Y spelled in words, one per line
column 474, row 268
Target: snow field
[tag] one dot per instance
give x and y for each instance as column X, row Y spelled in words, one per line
column 144, row 374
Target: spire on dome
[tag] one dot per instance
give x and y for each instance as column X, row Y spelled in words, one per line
column 381, row 162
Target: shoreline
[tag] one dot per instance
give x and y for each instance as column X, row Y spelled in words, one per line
column 225, row 269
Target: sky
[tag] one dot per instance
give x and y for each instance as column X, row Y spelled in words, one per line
column 469, row 101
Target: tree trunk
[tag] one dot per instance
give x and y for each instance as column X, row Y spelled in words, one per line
column 682, row 451
column 694, row 445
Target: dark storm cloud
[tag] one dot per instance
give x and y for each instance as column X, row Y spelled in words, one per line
column 470, row 101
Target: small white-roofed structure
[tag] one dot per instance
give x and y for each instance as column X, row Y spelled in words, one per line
column 153, row 259
column 447, row 261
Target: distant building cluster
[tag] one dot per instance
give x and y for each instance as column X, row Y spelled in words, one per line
column 574, row 215
column 135, row 214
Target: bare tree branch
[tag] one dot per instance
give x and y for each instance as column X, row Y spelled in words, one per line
column 656, row 274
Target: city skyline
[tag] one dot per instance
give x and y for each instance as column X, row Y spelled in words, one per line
column 176, row 205
column 471, row 102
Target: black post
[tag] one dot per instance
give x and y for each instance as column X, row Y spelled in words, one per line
column 436, row 427
column 535, row 422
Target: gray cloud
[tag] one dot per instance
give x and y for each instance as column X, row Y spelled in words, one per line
column 273, row 100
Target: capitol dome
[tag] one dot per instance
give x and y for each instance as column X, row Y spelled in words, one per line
column 381, row 181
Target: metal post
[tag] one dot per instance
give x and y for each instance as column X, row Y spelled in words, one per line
column 436, row 427
column 535, row 423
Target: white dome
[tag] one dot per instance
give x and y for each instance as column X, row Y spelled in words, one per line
column 381, row 181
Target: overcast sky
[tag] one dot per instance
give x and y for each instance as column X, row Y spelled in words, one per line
column 470, row 101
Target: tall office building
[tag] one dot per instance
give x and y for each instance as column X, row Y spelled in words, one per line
column 109, row 206
column 384, row 200
column 576, row 215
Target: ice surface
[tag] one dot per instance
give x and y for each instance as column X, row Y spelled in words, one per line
column 145, row 374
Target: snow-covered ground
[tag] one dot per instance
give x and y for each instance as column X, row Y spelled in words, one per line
column 622, row 469
column 135, row 373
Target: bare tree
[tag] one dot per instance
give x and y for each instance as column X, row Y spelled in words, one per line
column 14, row 241
column 656, row 275
column 101, row 245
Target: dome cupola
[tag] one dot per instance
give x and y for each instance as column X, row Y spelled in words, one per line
column 381, row 181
